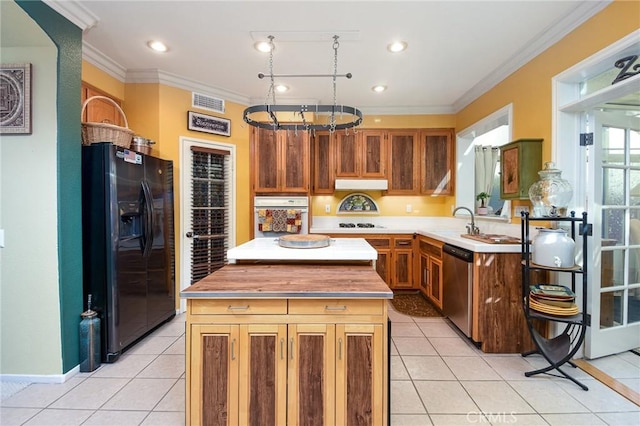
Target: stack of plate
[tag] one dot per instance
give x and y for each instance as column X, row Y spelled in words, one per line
column 553, row 299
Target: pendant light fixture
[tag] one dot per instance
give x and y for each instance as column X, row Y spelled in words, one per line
column 339, row 117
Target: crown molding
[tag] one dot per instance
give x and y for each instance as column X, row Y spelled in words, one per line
column 168, row 79
column 545, row 39
column 407, row 110
column 74, row 12
column 103, row 62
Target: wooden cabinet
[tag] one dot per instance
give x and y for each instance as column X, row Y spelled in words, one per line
column 382, row 244
column 520, row 162
column 431, row 269
column 395, row 258
column 321, row 362
column 415, row 161
column 323, row 163
column 500, row 326
column 402, row 263
column 404, row 166
column 360, row 155
column 437, row 159
column 98, row 110
column 280, row 161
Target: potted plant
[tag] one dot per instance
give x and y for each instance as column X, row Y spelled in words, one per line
column 481, row 197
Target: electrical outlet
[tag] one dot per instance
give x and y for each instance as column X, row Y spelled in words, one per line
column 517, row 210
column 409, row 208
column 327, row 208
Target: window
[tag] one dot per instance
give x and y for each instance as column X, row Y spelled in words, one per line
column 493, row 130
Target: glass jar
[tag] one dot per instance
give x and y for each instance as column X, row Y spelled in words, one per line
column 550, row 195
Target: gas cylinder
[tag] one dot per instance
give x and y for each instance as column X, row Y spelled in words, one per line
column 89, row 339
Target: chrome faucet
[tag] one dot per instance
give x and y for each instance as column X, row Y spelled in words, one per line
column 472, row 229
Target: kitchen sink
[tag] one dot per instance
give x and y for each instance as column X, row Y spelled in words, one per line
column 493, row 238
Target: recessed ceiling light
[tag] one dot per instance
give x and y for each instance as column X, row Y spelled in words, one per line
column 379, row 88
column 263, row 46
column 281, row 88
column 157, row 46
column 397, row 46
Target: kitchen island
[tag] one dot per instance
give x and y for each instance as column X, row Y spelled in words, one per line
column 296, row 344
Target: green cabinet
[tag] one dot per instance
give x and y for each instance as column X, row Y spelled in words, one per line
column 520, row 162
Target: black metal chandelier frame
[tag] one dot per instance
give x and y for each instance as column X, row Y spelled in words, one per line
column 333, row 111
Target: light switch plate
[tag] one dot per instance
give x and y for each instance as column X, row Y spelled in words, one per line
column 517, row 210
column 327, row 208
column 409, row 208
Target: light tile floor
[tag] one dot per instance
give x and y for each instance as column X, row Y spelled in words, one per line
column 437, row 378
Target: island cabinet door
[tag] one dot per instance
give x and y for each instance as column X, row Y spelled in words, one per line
column 311, row 395
column 262, row 380
column 359, row 375
column 213, row 373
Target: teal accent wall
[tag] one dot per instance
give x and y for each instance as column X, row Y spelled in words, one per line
column 68, row 39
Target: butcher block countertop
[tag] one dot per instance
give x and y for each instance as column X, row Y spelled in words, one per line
column 290, row 281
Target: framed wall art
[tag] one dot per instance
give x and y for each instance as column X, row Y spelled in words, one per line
column 208, row 124
column 15, row 99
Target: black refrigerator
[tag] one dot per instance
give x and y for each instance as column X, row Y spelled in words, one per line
column 128, row 243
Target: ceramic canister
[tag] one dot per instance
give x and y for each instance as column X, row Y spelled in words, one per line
column 553, row 248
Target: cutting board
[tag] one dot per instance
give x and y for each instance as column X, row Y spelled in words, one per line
column 304, row 241
column 493, row 238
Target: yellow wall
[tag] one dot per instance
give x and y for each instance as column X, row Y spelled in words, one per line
column 529, row 88
column 103, row 81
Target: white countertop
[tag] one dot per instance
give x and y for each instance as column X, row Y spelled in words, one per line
column 447, row 230
column 339, row 249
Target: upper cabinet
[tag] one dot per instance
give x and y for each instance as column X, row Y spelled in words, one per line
column 404, row 165
column 323, row 163
column 373, row 151
column 280, row 161
column 361, row 154
column 520, row 162
column 414, row 161
column 437, row 162
column 98, row 110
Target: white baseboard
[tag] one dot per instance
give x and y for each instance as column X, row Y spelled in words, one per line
column 40, row 378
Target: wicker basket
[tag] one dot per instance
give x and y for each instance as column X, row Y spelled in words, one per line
column 106, row 132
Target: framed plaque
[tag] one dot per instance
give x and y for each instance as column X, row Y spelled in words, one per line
column 208, row 124
column 15, row 99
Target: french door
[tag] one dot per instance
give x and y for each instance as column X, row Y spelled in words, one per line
column 613, row 197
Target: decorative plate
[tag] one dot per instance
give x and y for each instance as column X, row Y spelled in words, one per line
column 358, row 203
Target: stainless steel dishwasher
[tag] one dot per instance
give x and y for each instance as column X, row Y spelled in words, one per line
column 457, row 269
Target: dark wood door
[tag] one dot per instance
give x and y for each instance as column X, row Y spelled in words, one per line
column 373, row 154
column 347, row 155
column 266, row 163
column 403, row 160
column 436, row 154
column 294, row 161
column 311, row 380
column 263, row 375
column 323, row 164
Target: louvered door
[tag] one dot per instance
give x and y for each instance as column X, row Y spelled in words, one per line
column 210, row 194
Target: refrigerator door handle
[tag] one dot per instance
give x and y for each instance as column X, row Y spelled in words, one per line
column 147, row 219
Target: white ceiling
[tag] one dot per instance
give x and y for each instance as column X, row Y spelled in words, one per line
column 457, row 49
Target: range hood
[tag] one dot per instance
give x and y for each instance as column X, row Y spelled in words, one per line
column 362, row 184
